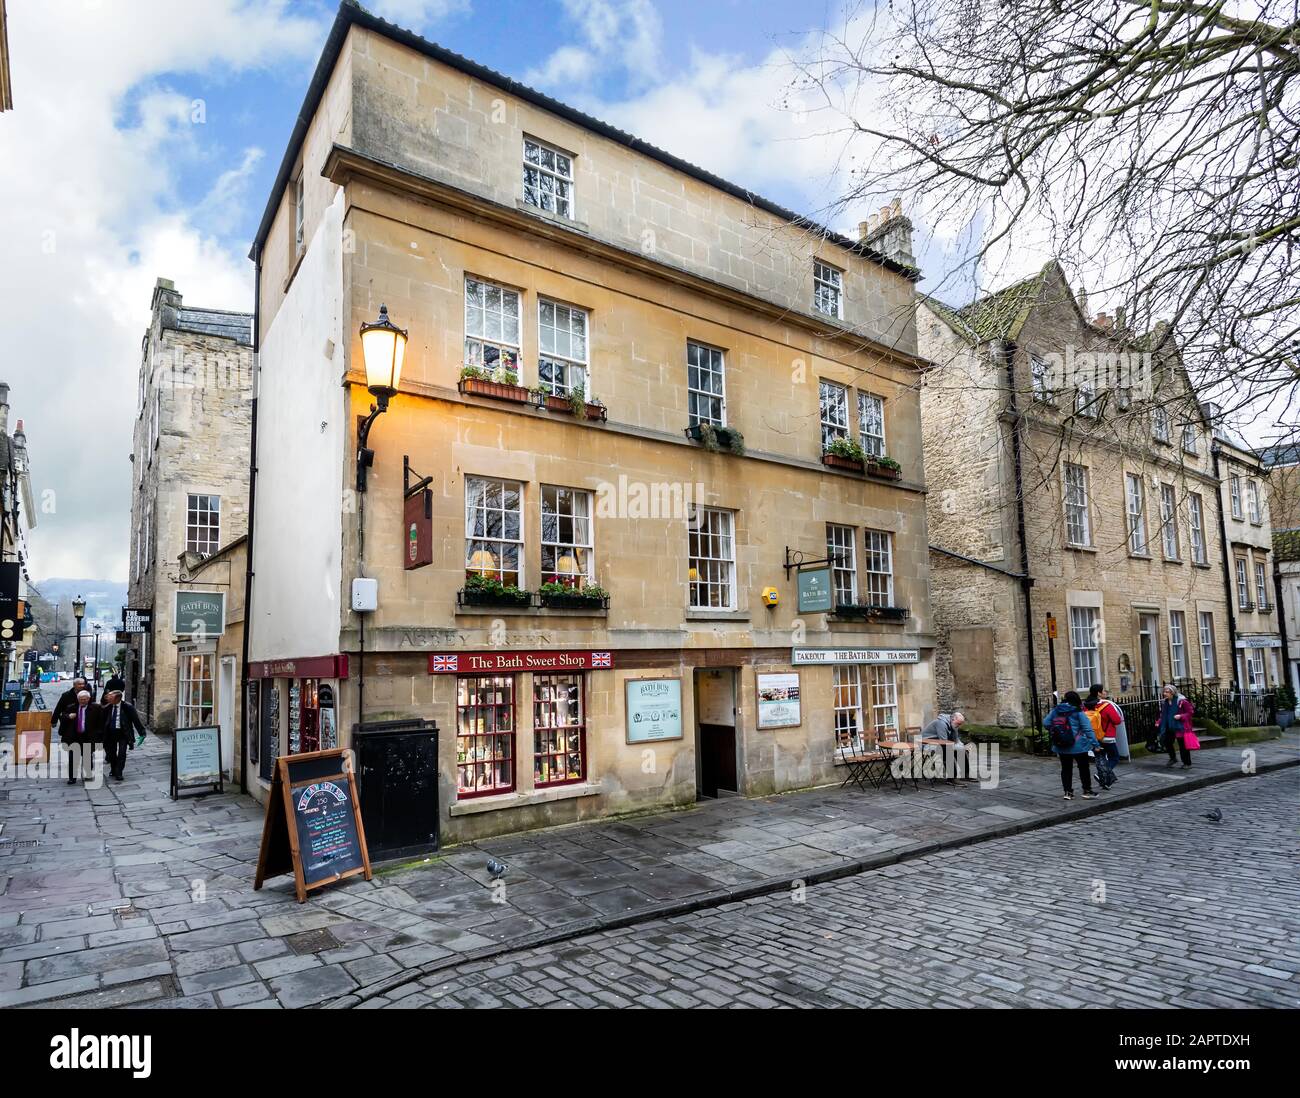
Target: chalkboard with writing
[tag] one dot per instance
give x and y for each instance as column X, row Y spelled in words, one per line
column 313, row 823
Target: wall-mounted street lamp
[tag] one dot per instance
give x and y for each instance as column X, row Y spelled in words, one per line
column 383, row 345
column 79, row 612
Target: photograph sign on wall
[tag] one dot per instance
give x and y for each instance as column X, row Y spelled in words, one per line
column 654, row 710
column 778, row 700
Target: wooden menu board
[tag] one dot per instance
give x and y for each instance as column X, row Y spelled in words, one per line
column 32, row 737
column 313, row 823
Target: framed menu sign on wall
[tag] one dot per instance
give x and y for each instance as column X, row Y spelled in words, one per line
column 778, row 700
column 196, row 760
column 313, row 825
column 653, row 710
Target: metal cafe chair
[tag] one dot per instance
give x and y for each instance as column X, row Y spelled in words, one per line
column 889, row 742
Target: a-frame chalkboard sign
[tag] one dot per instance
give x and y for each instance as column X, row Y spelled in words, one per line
column 313, row 823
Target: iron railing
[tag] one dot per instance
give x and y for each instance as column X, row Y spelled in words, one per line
column 1226, row 707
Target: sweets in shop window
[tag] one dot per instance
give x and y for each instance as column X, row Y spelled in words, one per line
column 559, row 729
column 485, row 734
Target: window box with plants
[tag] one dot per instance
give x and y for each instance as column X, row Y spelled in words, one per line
column 564, row 596
column 883, row 466
column 484, row 589
column 861, row 611
column 499, row 384
column 715, row 439
column 844, row 453
column 573, row 403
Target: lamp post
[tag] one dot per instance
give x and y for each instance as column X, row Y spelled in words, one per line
column 98, row 627
column 79, row 612
column 383, row 345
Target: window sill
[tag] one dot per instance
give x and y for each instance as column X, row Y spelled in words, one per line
column 1140, row 556
column 476, row 805
column 1175, row 560
column 1201, row 564
column 1082, row 548
column 718, row 615
column 554, row 219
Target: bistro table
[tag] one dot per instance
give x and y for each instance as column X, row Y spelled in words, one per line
column 900, row 749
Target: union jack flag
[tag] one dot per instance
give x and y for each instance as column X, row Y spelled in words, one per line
column 600, row 659
column 444, row 663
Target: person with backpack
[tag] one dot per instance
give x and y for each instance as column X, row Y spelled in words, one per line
column 1174, row 726
column 1105, row 764
column 1072, row 740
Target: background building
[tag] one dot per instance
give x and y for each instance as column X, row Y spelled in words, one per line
column 190, row 471
column 19, row 516
column 1073, row 478
column 547, row 251
column 1282, row 463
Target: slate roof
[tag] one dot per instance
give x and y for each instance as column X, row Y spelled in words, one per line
column 1286, row 544
column 1285, row 453
column 216, row 322
column 1001, row 315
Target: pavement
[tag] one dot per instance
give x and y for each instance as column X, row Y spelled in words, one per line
column 119, row 896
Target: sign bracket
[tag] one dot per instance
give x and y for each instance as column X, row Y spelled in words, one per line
column 796, row 561
column 409, row 489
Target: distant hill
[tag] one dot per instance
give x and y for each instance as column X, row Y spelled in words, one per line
column 104, row 599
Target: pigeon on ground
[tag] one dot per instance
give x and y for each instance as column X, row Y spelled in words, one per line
column 496, row 870
column 1214, row 816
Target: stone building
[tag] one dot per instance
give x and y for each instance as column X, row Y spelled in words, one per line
column 17, row 516
column 190, row 492
column 1282, row 464
column 542, row 259
column 1074, row 481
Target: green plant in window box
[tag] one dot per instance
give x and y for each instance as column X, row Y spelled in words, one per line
column 885, row 462
column 577, row 398
column 846, row 448
column 507, row 375
column 484, row 588
column 569, row 596
column 474, row 373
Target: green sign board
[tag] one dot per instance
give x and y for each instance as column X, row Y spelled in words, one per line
column 654, row 710
column 200, row 614
column 196, row 759
column 816, row 594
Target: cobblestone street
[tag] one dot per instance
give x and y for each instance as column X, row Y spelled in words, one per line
column 1193, row 914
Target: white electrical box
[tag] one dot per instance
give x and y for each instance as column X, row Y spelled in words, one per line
column 365, row 595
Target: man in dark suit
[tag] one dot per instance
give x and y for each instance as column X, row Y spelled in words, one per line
column 120, row 724
column 68, row 699
column 77, row 728
column 115, row 683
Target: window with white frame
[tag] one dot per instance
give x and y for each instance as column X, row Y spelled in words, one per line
column 1261, row 586
column 884, row 702
column 711, row 565
column 1137, row 516
column 1189, row 438
column 492, row 328
column 1085, row 645
column 828, row 289
column 834, row 401
column 1169, row 521
column 849, row 724
column 1252, row 495
column 1178, row 644
column 1207, row 644
column 1243, row 585
column 1078, row 527
column 1085, row 401
column 1255, row 670
column 1196, row 520
column 1160, row 427
column 1234, row 490
column 1040, row 379
column 548, row 178
column 194, row 702
column 494, row 529
column 202, row 524
column 567, row 555
column 299, row 208
column 879, row 575
column 705, row 385
column 562, row 348
column 841, row 548
column 871, row 424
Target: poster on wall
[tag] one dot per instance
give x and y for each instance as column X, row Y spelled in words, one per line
column 778, row 700
column 329, row 737
column 653, row 710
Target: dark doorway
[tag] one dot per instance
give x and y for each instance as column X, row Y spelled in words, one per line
column 397, row 784
column 715, row 731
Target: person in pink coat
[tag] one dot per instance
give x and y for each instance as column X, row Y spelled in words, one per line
column 1175, row 726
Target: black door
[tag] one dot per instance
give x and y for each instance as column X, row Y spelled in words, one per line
column 397, row 763
column 715, row 738
column 717, row 759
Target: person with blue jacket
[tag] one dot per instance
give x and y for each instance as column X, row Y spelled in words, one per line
column 1067, row 720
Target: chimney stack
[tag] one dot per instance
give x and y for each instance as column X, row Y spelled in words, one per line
column 1103, row 321
column 4, row 408
column 889, row 233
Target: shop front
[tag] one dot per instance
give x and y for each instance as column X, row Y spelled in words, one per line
column 291, row 708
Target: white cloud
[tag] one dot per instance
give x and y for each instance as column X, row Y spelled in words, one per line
column 617, row 35
column 414, row 14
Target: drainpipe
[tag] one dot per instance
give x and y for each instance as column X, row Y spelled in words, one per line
column 252, row 517
column 1279, row 605
column 1227, row 571
column 1006, row 349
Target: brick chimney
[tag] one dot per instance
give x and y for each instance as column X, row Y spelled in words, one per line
column 1103, row 321
column 20, row 445
column 889, row 233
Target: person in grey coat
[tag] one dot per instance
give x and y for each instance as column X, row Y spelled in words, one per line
column 947, row 726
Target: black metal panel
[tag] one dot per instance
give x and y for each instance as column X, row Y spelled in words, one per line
column 397, row 780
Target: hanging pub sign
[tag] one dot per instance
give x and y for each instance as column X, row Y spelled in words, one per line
column 137, row 619
column 313, row 825
column 200, row 613
column 489, row 663
column 417, row 530
column 816, row 595
column 196, row 760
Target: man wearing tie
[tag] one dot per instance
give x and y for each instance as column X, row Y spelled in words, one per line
column 121, row 723
column 77, row 735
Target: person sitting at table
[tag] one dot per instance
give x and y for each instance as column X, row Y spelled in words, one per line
column 947, row 727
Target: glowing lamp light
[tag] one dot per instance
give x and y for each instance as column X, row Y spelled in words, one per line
column 383, row 344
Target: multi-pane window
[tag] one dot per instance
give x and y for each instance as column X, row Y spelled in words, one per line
column 1197, row 524
column 1137, row 518
column 1255, row 671
column 1078, row 528
column 879, row 576
column 559, row 729
column 562, row 348
column 1160, row 424
column 884, row 702
column 566, row 536
column 849, row 724
column 1235, row 492
column 706, row 396
column 202, row 524
column 195, row 701
column 1189, row 438
column 548, row 178
column 712, row 560
column 1178, row 644
column 299, row 206
column 1207, row 644
column 494, row 529
column 871, row 424
column 828, row 289
column 491, row 326
column 1243, row 585
column 1085, row 401
column 1041, row 378
column 834, row 400
column 841, row 549
column 1169, row 521
column 1085, row 646
column 1261, row 586
column 485, row 734
column 1252, row 495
